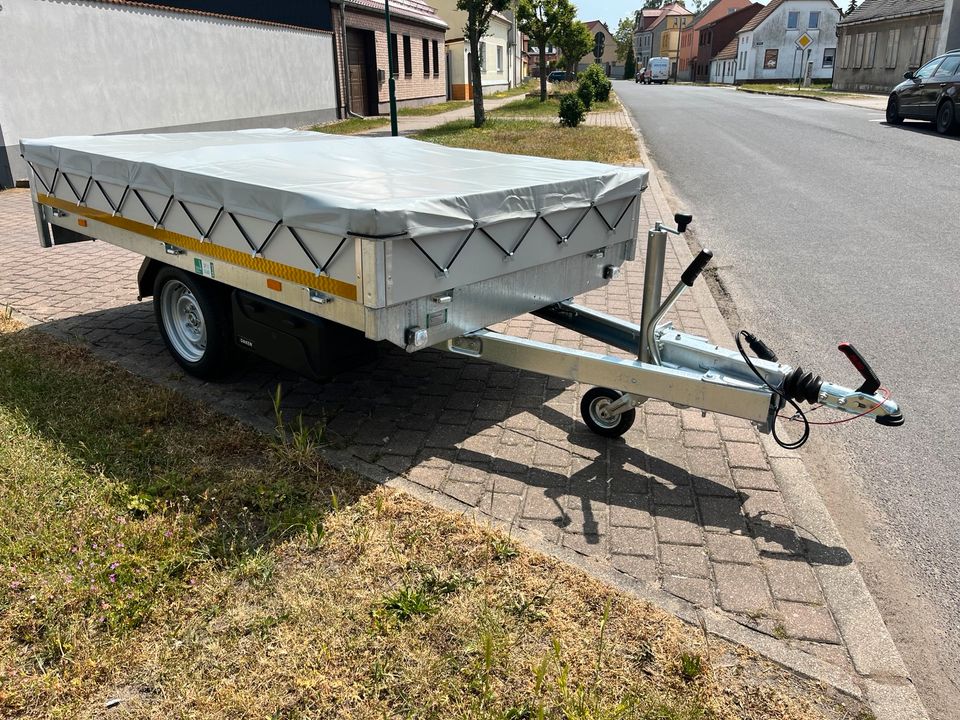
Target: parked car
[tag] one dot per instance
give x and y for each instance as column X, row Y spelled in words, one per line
column 561, row 76
column 929, row 93
column 658, row 70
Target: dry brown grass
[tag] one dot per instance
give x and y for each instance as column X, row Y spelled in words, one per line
column 531, row 137
column 250, row 585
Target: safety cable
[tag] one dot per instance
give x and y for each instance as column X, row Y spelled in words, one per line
column 773, row 427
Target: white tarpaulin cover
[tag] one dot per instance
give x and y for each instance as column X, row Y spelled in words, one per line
column 367, row 186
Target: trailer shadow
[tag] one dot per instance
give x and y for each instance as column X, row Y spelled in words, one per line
column 464, row 427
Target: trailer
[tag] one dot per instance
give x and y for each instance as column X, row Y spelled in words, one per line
column 306, row 248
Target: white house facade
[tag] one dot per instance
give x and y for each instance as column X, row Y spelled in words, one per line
column 768, row 49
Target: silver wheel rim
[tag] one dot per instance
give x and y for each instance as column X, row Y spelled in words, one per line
column 599, row 414
column 183, row 321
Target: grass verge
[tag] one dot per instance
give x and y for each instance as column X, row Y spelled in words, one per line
column 815, row 91
column 533, row 137
column 166, row 561
column 514, row 91
column 352, row 126
column 532, row 107
column 434, row 109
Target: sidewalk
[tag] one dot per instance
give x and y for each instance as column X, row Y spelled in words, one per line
column 697, row 514
column 861, row 100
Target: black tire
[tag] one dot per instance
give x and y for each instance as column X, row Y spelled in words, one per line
column 195, row 322
column 893, row 111
column 594, row 400
column 946, row 118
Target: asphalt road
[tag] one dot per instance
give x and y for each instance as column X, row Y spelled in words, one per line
column 828, row 225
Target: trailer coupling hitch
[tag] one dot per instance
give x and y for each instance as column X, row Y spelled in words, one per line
column 800, row 384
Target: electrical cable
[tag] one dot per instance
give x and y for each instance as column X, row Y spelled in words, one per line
column 773, row 429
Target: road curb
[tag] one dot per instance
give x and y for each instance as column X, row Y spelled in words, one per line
column 881, row 678
column 784, row 94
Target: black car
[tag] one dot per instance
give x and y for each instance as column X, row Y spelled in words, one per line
column 561, row 76
column 930, row 93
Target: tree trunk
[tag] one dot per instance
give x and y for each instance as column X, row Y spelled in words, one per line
column 543, row 72
column 475, row 80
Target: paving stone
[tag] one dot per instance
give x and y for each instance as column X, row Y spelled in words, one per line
column 662, row 426
column 808, row 622
column 697, row 439
column 677, row 525
column 636, row 566
column 685, row 560
column 632, row 541
column 630, row 511
column 585, row 544
column 696, row 420
column 428, row 477
column 738, row 433
column 590, row 519
column 666, row 493
column 722, row 515
column 502, row 506
column 755, row 480
column 742, row 588
column 765, row 505
column 546, row 529
column 694, row 590
column 542, row 504
column 714, row 487
column 726, row 547
column 793, row 580
column 746, row 455
column 466, row 492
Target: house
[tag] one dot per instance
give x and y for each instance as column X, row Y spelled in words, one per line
column 551, row 58
column 716, row 36
column 723, row 66
column 641, row 38
column 608, row 59
column 690, row 35
column 416, row 43
column 89, row 68
column 883, row 38
column 496, row 50
column 767, row 46
column 663, row 33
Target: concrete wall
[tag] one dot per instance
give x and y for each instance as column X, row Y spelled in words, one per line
column 85, row 68
column 897, row 46
column 772, row 34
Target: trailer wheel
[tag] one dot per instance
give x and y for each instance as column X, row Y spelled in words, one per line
column 593, row 409
column 194, row 321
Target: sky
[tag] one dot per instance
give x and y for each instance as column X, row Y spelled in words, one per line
column 610, row 11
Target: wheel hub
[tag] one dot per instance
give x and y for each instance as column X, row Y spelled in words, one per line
column 183, row 321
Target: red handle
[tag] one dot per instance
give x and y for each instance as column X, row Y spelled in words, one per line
column 871, row 383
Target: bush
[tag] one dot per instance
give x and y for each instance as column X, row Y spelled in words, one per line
column 585, row 92
column 572, row 110
column 597, row 81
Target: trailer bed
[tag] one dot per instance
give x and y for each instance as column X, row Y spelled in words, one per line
column 381, row 234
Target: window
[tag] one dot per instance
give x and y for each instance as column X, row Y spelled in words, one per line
column 948, row 68
column 828, row 55
column 436, row 59
column 483, row 57
column 426, row 58
column 770, row 59
column 793, row 20
column 871, row 50
column 927, row 70
column 394, row 54
column 930, row 47
column 499, row 59
column 916, row 53
column 743, row 60
column 845, row 55
column 858, row 51
column 407, row 57
column 814, row 21
column 893, row 48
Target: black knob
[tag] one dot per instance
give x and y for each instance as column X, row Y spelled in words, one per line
column 682, row 220
column 696, row 267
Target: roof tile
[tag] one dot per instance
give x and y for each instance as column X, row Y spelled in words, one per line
column 878, row 9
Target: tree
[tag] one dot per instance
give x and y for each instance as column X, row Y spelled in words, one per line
column 653, row 4
column 540, row 20
column 624, row 38
column 630, row 66
column 478, row 23
column 850, row 8
column 573, row 40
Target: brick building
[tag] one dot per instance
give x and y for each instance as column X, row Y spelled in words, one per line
column 690, row 35
column 715, row 36
column 362, row 61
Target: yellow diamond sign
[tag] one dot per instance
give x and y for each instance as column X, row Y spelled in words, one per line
column 804, row 41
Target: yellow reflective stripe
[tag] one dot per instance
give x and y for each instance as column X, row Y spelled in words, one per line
column 209, row 249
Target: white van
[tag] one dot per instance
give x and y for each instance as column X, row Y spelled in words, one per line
column 658, row 70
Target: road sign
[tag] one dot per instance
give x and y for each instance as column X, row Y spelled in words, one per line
column 804, row 41
column 598, row 45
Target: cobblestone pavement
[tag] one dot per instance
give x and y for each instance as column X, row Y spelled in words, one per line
column 685, row 502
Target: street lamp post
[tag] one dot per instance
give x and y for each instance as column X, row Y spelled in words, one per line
column 391, row 83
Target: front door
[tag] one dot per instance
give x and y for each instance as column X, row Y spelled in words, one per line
column 357, row 71
column 912, row 100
